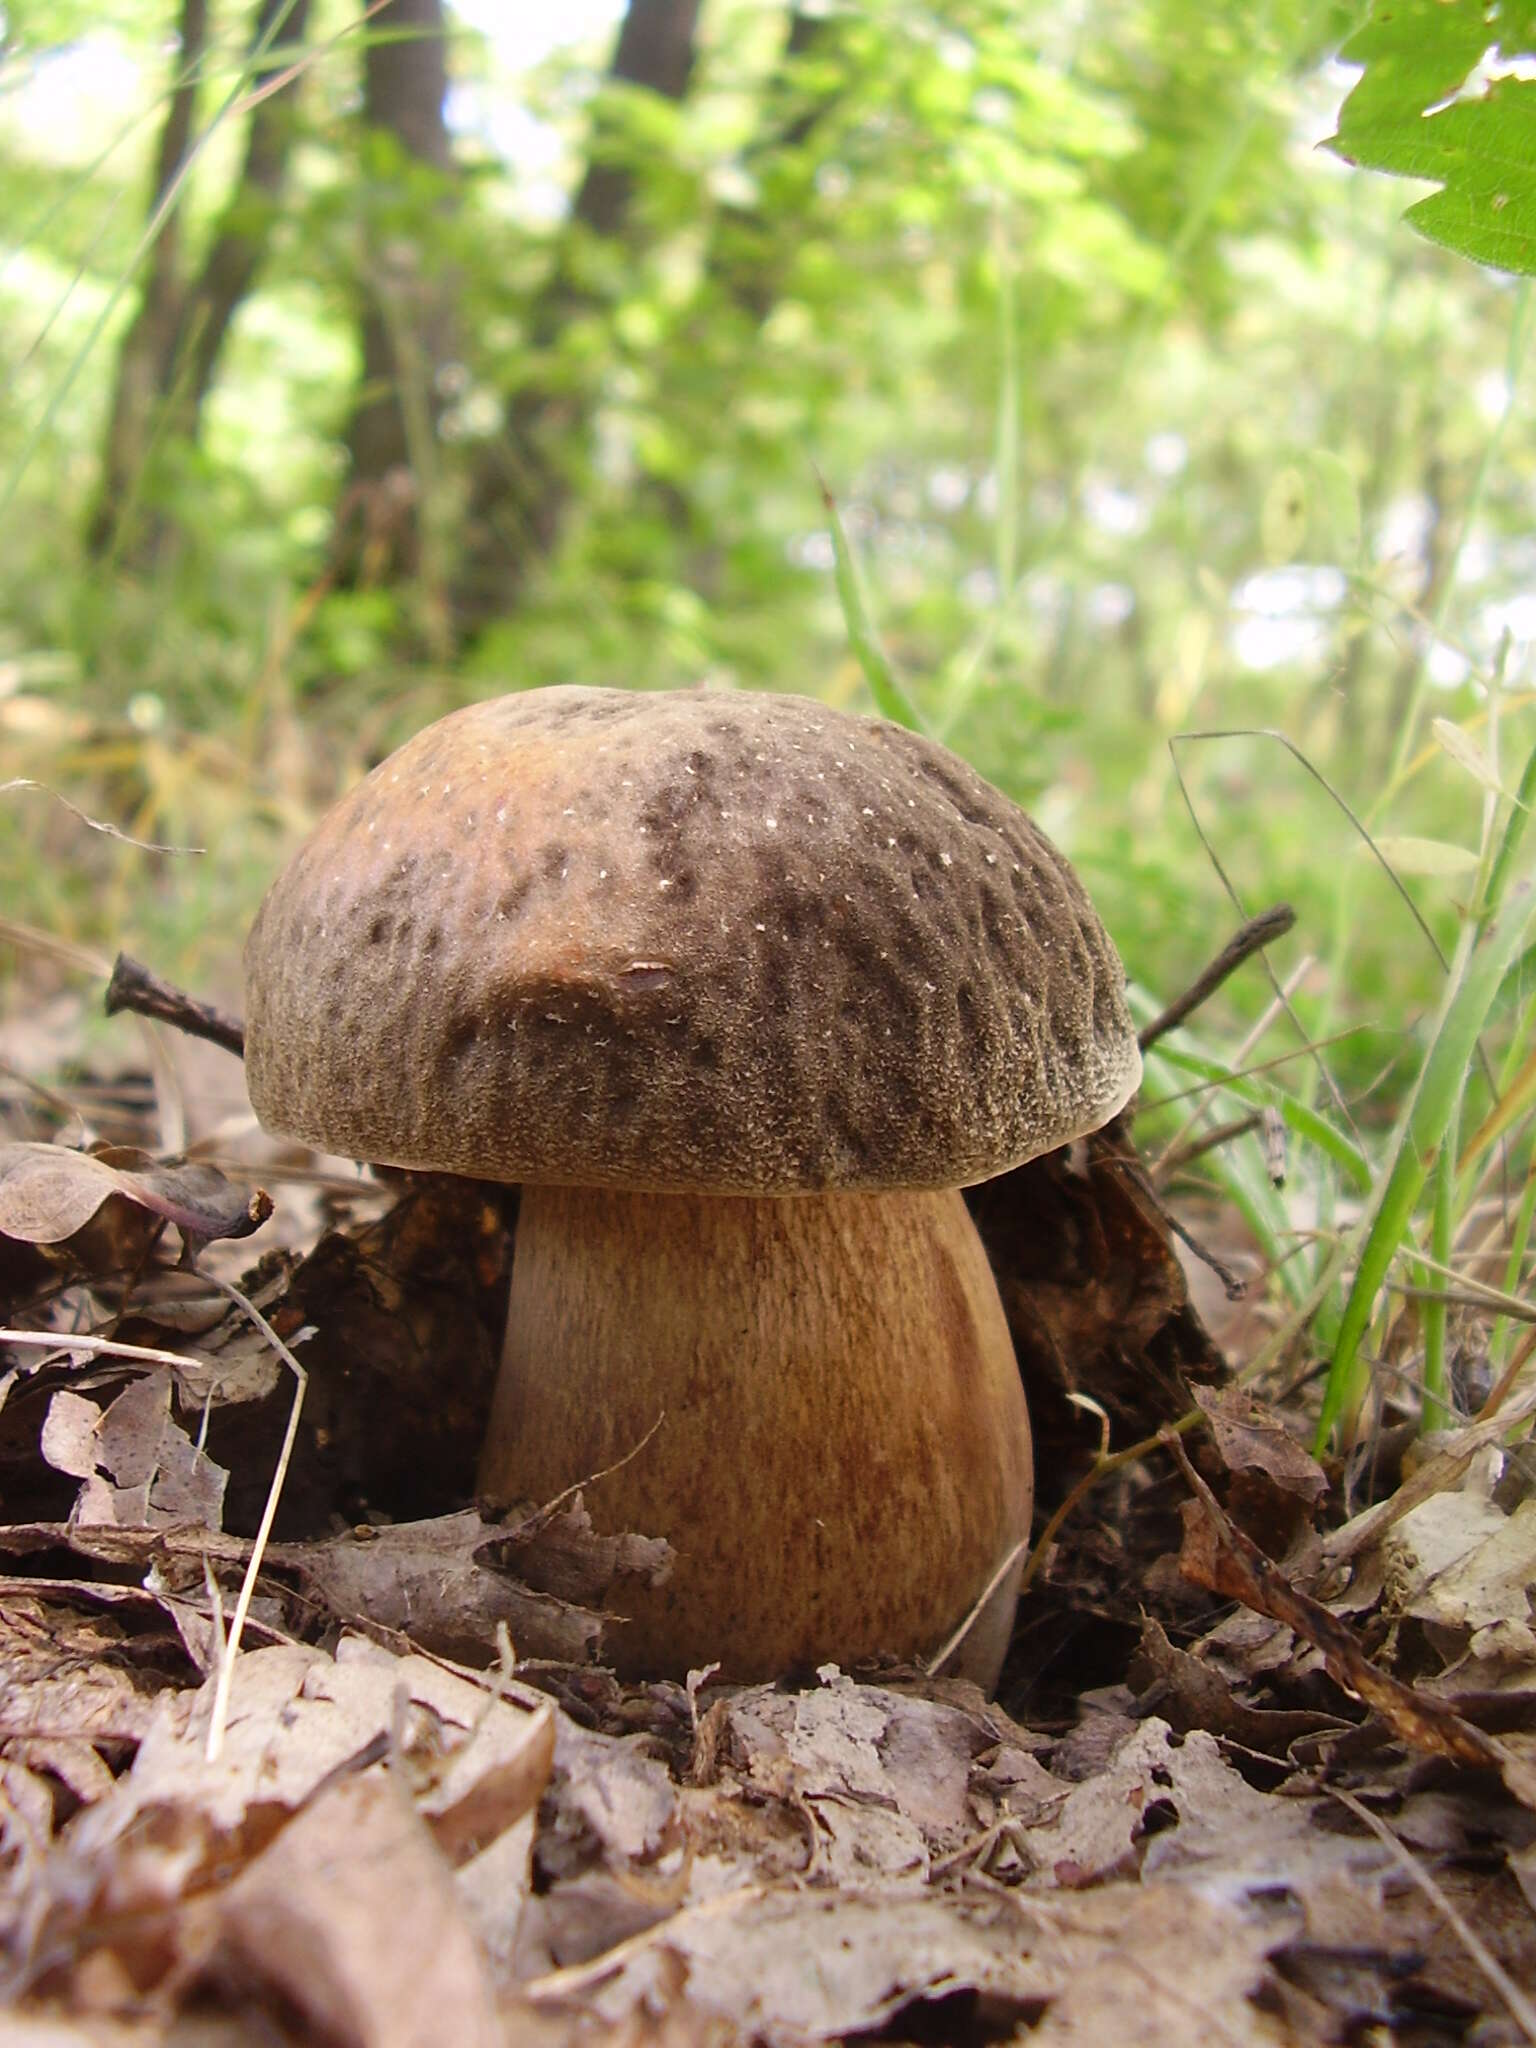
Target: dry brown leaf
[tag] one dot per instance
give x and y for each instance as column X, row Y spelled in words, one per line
column 1190, row 1692
column 1171, row 1805
column 790, row 1965
column 139, row 1467
column 433, row 1583
column 612, row 1852
column 1252, row 1437
column 436, row 1581
column 350, row 1916
column 883, row 1778
column 48, row 1193
column 1221, row 1557
column 1160, row 1967
column 66, row 1690
column 1460, row 1562
column 559, row 1552
column 298, row 1720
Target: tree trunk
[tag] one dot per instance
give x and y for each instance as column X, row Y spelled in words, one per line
column 519, row 492
column 240, row 241
column 150, row 340
column 171, row 351
column 406, row 321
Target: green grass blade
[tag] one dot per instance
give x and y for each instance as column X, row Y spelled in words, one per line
column 1299, row 1117
column 1477, row 973
column 891, row 700
column 1514, row 832
column 1435, row 1412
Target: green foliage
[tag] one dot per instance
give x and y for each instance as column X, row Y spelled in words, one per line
column 1420, row 111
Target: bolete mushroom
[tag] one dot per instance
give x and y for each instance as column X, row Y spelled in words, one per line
column 742, row 990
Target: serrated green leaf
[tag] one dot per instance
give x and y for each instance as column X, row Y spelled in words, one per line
column 1404, row 117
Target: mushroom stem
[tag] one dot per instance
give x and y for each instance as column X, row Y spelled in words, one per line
column 845, row 1453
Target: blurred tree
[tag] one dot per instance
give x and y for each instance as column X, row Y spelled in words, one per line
column 171, row 350
column 149, row 345
column 520, row 484
column 408, row 320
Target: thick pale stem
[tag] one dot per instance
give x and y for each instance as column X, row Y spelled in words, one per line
column 844, row 1456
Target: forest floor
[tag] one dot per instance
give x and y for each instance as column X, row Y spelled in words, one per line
column 1261, row 1768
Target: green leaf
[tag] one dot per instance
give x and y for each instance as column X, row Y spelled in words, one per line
column 1466, row 752
column 1405, row 117
column 1410, row 855
column 1283, row 520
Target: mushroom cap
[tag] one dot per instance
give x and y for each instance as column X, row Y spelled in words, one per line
column 699, row 942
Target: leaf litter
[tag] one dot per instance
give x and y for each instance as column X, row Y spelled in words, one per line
column 1286, row 1798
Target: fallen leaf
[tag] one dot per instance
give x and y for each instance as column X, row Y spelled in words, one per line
column 1189, row 1692
column 436, row 1581
column 561, row 1553
column 298, row 1720
column 1460, row 1562
column 351, row 1917
column 139, row 1467
column 48, row 1193
column 788, row 1965
column 1221, row 1557
column 1253, row 1438
column 884, row 1778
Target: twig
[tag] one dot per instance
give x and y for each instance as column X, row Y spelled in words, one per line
column 1192, row 1149
column 1131, row 1169
column 136, row 987
column 542, row 1516
column 1255, row 1035
column 1468, row 1297
column 1225, row 1078
column 1103, row 1465
column 947, row 1649
column 1507, row 1378
column 1522, row 2009
column 107, row 1347
column 230, row 1648
column 1247, row 940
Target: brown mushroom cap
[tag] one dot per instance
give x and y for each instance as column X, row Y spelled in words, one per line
column 701, row 942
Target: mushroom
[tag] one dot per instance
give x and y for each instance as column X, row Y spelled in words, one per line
column 742, row 991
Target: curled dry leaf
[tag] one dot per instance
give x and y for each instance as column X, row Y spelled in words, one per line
column 1253, row 1438
column 1190, row 1692
column 48, row 1193
column 558, row 1551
